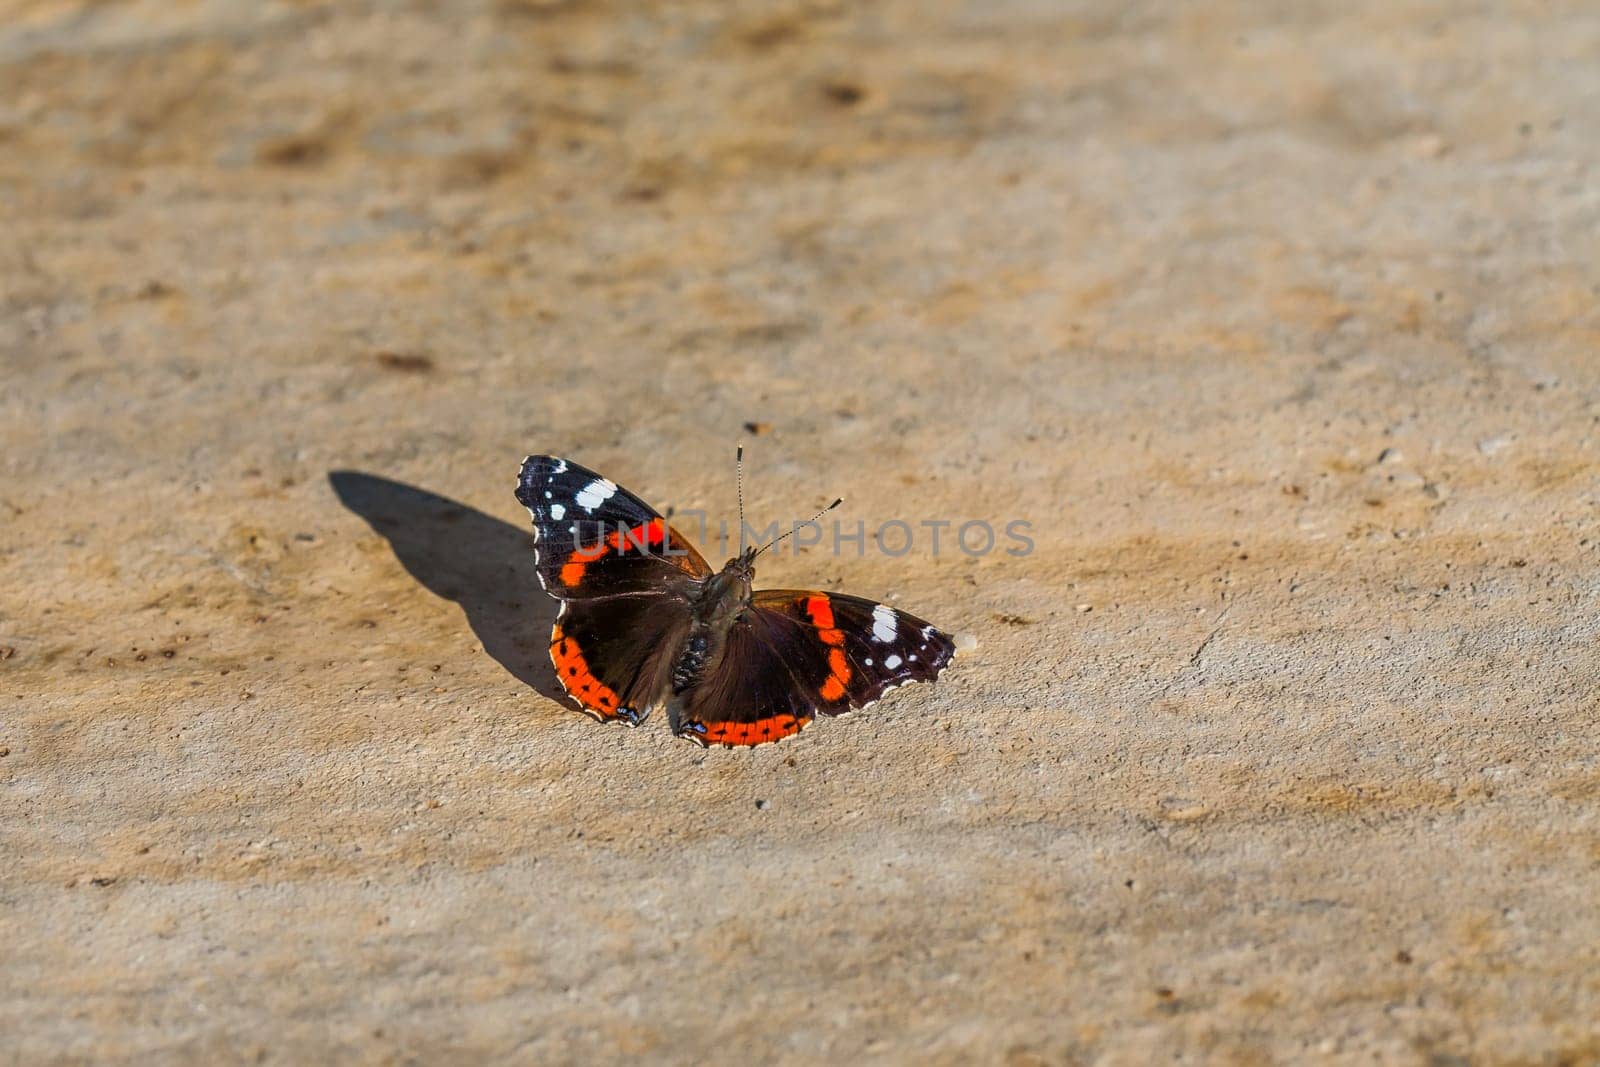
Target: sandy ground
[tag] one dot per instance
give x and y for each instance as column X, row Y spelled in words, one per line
column 1278, row 322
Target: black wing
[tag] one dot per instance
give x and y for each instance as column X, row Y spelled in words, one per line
column 595, row 539
column 867, row 648
column 625, row 579
column 745, row 696
column 614, row 655
column 796, row 653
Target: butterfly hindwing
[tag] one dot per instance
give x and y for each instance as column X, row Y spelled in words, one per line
column 595, row 539
column 614, row 655
column 745, row 696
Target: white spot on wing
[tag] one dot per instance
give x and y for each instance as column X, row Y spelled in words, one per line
column 595, row 493
column 557, row 512
column 883, row 624
column 892, row 662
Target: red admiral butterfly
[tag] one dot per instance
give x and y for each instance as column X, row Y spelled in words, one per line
column 644, row 621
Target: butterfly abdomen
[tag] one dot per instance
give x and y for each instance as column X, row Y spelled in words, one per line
column 692, row 661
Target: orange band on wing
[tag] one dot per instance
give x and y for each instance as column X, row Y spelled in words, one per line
column 573, row 670
column 838, row 676
column 820, row 612
column 750, row 733
column 578, row 562
column 640, row 538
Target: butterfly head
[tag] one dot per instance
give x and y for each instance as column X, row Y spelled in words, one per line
column 727, row 593
column 744, row 564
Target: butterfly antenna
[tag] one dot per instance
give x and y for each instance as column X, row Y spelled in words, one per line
column 738, row 477
column 792, row 529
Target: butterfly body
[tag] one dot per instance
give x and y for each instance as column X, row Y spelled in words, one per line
column 721, row 601
column 726, row 594
column 645, row 622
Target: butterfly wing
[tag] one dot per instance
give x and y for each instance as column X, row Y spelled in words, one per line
column 614, row 655
column 595, row 539
column 867, row 648
column 746, row 695
column 796, row 653
column 625, row 580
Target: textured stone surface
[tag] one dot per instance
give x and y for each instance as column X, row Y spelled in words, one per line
column 1278, row 322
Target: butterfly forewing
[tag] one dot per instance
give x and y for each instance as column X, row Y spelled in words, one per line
column 596, row 539
column 853, row 649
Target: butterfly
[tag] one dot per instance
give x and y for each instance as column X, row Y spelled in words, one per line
column 645, row 622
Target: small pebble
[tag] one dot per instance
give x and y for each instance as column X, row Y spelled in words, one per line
column 1491, row 445
column 406, row 362
column 1430, row 146
column 1082, row 608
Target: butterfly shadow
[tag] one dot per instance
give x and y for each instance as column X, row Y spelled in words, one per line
column 461, row 554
